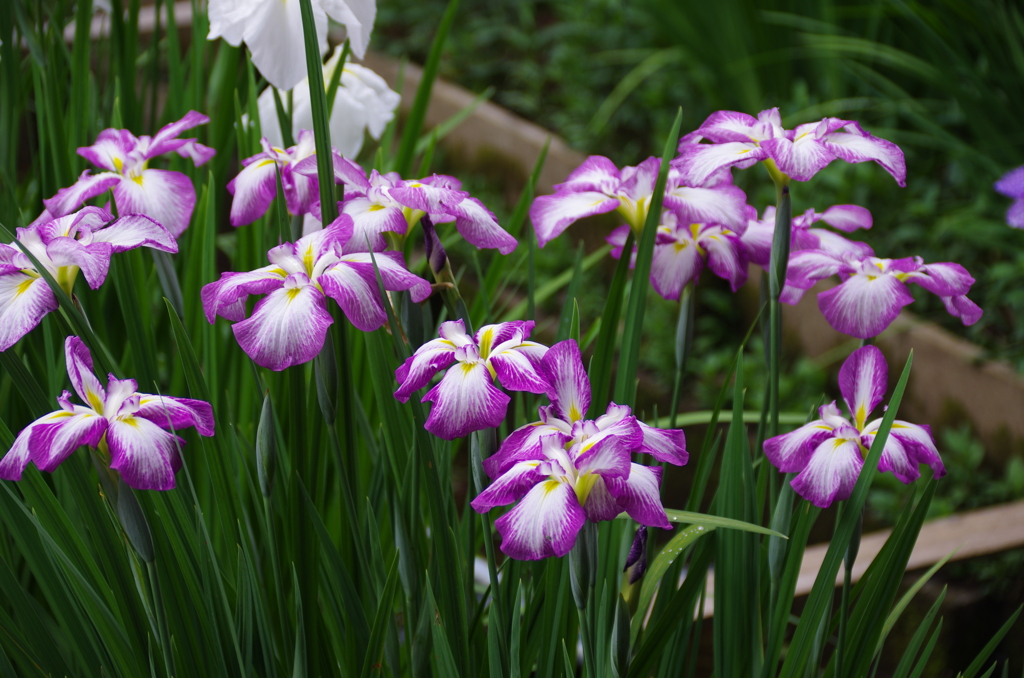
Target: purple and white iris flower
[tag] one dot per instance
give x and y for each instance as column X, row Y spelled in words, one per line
column 384, row 203
column 1012, row 186
column 682, row 249
column 363, row 104
column 739, row 140
column 255, row 187
column 757, row 239
column 273, row 31
column 288, row 326
column 82, row 241
column 828, row 453
column 565, row 469
column 166, row 197
column 129, row 427
column 466, row 399
column 874, row 290
column 597, row 187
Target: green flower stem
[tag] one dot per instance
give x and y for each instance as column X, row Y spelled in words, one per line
column 583, row 579
column 684, row 342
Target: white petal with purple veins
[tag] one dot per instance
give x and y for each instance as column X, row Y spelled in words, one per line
column 722, row 205
column 668, row 445
column 253, row 189
column 62, row 433
column 831, row 473
column 354, row 286
column 543, row 524
column 856, row 145
column 552, row 214
column 697, row 162
column 568, row 383
column 847, row 217
column 136, row 230
column 164, row 196
column 511, row 486
column 287, row 327
column 23, row 303
column 801, row 158
column 479, row 227
column 67, row 200
column 863, row 379
column 176, row 413
column 226, row 297
column 673, row 266
column 516, row 373
column 790, row 452
column 465, row 401
column 639, row 495
column 145, row 455
column 596, row 173
column 864, row 306
column 418, row 369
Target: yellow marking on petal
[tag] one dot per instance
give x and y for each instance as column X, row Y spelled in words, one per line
column 292, row 293
column 694, row 228
column 485, row 343
column 375, row 208
column 118, row 165
column 23, row 287
column 264, row 163
column 137, row 179
column 467, row 368
column 550, row 486
column 861, row 417
column 680, row 246
column 307, row 260
column 94, row 401
column 279, row 271
column 824, row 427
column 584, row 484
column 574, row 413
column 63, row 414
column 131, row 421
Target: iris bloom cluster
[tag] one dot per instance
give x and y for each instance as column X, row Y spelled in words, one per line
column 828, row 454
column 166, row 197
column 565, row 469
column 255, row 187
column 289, row 325
column 82, row 241
column 130, row 429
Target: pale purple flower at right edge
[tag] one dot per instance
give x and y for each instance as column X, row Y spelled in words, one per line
column 828, row 454
column 1012, row 186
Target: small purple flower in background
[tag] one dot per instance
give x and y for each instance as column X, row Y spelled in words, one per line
column 757, row 239
column 82, row 241
column 255, row 187
column 565, row 469
column 682, row 249
column 1012, row 186
column 131, row 427
column 288, row 326
column 164, row 196
column 738, row 140
column 466, row 398
column 598, row 186
column 874, row 290
column 828, row 454
column 384, row 203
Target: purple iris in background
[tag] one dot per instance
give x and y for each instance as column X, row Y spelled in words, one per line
column 828, row 454
column 564, row 469
column 1012, row 186
column 255, row 186
column 739, row 140
column 288, row 326
column 466, row 399
column 598, row 186
column 164, row 196
column 757, row 239
column 129, row 427
column 384, row 203
column 82, row 241
column 874, row 290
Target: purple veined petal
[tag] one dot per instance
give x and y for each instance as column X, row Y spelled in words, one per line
column 543, row 524
column 419, row 368
column 524, row 443
column 345, row 171
column 393, row 273
column 963, row 308
column 226, row 297
column 697, row 162
column 427, row 197
column 801, row 158
column 725, row 204
column 757, row 239
column 847, row 218
column 726, row 257
column 596, row 174
column 831, row 472
column 807, row 267
column 534, row 352
column 371, row 222
column 490, row 337
column 1011, row 184
column 17, row 458
column 455, row 332
column 668, row 445
column 790, row 452
column 920, row 444
column 637, row 183
column 164, row 196
column 312, row 247
column 863, row 379
column 300, row 192
column 568, row 383
column 896, row 457
column 111, row 150
column 144, row 454
column 836, row 245
column 166, row 140
column 675, row 265
column 465, row 401
column 80, row 371
column 196, row 152
column 354, row 286
column 856, row 145
column 93, row 260
column 286, row 328
column 600, row 504
column 512, row 485
column 639, row 495
column 176, row 413
column 617, row 239
column 54, row 439
column 552, row 214
column 725, row 126
column 864, row 306
column 136, row 230
column 253, row 189
column 24, row 301
column 609, row 460
column 943, row 279
column 479, row 227
column 515, row 372
column 67, row 200
column 122, row 397
column 85, row 220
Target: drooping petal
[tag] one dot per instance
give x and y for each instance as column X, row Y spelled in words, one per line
column 511, row 485
column 144, row 454
column 465, row 401
column 523, row 443
column 637, row 183
column 80, row 371
column 943, row 279
column 516, row 372
column 907, row 446
column 226, row 297
column 371, row 222
column 67, row 200
column 111, row 150
column 807, row 267
column 847, row 218
column 568, row 383
column 176, row 413
column 963, row 308
column 697, row 162
column 600, row 504
column 93, row 260
column 287, row 327
column 835, row 244
column 617, row 239
column 724, row 204
column 726, row 256
column 393, row 273
column 790, row 452
column 597, row 173
column 419, row 368
column 54, row 439
column 863, row 379
column 479, row 227
column 164, row 196
column 23, row 303
column 543, row 524
column 253, row 189
column 357, row 16
column 167, row 141
column 17, row 458
column 831, row 472
column 856, row 145
column 864, row 306
column 354, row 286
column 552, row 214
column 801, row 158
column 136, row 230
column 673, row 266
column 723, row 126
column 668, row 445
column 639, row 495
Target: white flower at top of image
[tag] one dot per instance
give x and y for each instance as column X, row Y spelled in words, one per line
column 363, row 102
column 273, row 31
